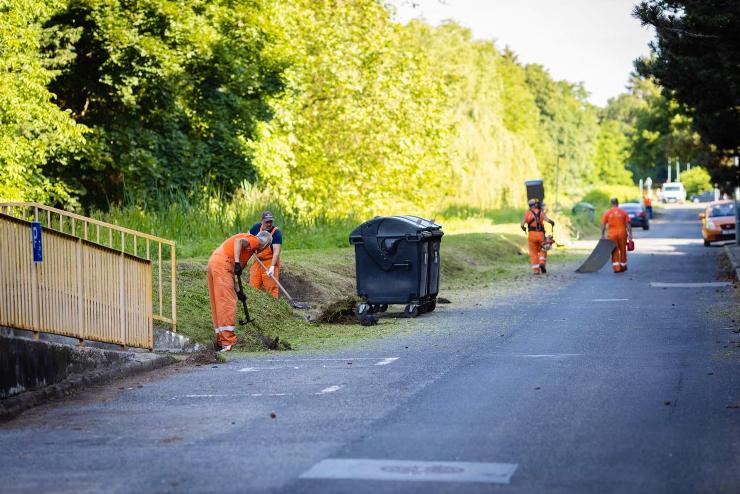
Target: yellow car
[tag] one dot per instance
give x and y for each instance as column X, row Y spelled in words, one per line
column 718, row 222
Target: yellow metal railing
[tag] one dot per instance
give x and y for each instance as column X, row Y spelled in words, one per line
column 81, row 289
column 158, row 250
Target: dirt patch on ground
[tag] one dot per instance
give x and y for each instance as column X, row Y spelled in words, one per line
column 725, row 271
column 203, row 357
column 339, row 312
column 300, row 288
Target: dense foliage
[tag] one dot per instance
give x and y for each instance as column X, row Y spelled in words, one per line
column 696, row 57
column 328, row 107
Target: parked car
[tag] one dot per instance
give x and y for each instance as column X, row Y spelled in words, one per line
column 673, row 192
column 718, row 222
column 637, row 213
column 703, row 197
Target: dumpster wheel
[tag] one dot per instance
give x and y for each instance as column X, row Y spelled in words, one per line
column 411, row 310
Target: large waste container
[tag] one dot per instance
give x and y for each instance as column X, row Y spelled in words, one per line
column 397, row 261
column 535, row 189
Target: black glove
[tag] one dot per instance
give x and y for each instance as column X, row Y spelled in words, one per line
column 241, row 296
column 524, row 228
column 237, row 268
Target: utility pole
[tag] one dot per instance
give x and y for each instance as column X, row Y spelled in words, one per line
column 678, row 170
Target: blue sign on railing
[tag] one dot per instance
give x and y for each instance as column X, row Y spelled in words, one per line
column 38, row 248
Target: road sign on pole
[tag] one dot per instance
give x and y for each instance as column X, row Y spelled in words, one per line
column 38, row 248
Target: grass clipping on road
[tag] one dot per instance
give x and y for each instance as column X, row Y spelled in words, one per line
column 326, row 279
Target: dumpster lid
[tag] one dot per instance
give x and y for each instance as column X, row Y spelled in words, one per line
column 395, row 226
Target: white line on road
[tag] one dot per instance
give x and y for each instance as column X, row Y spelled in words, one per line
column 324, row 359
column 713, row 284
column 551, row 355
column 328, row 390
column 231, row 395
column 257, row 369
column 414, row 471
column 387, row 361
column 610, row 300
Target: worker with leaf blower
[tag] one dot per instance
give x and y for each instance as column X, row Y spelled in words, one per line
column 225, row 262
column 615, row 225
column 265, row 276
column 535, row 219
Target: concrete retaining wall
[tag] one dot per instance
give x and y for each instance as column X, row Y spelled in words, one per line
column 26, row 364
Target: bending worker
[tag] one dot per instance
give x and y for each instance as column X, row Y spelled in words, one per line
column 615, row 225
column 535, row 220
column 221, row 270
column 270, row 257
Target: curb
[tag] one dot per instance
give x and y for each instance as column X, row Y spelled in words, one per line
column 15, row 405
column 733, row 254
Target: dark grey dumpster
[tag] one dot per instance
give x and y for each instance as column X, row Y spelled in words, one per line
column 397, row 261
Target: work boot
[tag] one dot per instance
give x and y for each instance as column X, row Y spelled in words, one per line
column 624, row 268
column 543, row 269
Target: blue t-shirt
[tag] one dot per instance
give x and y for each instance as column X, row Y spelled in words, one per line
column 277, row 239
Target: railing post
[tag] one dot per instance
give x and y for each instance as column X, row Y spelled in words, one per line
column 173, row 284
column 81, row 326
column 159, row 278
column 122, row 298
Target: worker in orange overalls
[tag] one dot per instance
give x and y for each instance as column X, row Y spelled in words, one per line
column 617, row 221
column 648, row 206
column 535, row 219
column 260, row 278
column 221, row 288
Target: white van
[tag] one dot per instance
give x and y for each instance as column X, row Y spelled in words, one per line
column 673, row 192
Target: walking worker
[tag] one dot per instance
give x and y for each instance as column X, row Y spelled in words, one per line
column 270, row 257
column 225, row 262
column 615, row 225
column 648, row 206
column 535, row 219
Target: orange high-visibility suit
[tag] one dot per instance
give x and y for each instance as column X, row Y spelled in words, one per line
column 258, row 277
column 616, row 220
column 221, row 286
column 534, row 218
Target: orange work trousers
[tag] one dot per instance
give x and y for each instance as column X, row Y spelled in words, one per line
column 537, row 256
column 223, row 297
column 619, row 254
column 258, row 278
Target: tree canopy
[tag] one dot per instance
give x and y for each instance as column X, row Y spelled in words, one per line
column 696, row 57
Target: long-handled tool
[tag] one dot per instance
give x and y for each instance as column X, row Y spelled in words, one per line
column 267, row 342
column 297, row 305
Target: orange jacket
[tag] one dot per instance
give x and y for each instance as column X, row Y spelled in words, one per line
column 648, row 202
column 266, row 255
column 534, row 218
column 253, row 243
column 617, row 220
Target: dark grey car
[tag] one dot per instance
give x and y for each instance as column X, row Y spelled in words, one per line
column 638, row 214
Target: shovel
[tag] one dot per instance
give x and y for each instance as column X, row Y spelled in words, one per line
column 266, row 342
column 297, row 305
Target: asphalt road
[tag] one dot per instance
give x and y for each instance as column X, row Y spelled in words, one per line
column 579, row 383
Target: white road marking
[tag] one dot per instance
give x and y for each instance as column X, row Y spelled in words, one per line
column 387, row 361
column 713, row 284
column 328, row 390
column 257, row 369
column 414, row 471
column 231, row 395
column 551, row 355
column 348, row 359
column 610, row 300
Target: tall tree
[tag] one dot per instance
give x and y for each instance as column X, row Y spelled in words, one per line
column 171, row 90
column 696, row 57
column 33, row 130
